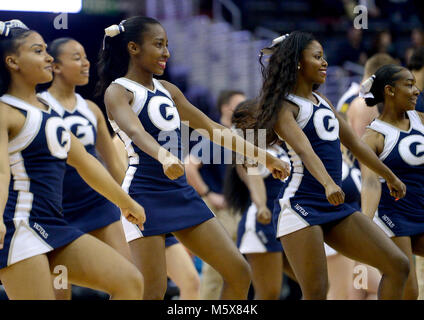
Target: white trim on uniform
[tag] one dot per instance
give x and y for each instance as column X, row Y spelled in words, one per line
column 84, row 109
column 250, row 241
column 29, row 131
column 382, row 225
column 131, row 231
column 390, row 133
column 25, row 241
column 133, row 157
column 306, row 109
column 353, row 90
column 289, row 220
column 138, row 90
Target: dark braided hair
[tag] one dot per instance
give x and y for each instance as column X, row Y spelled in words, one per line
column 114, row 57
column 386, row 75
column 280, row 76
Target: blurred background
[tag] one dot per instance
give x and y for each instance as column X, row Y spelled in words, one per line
column 214, row 44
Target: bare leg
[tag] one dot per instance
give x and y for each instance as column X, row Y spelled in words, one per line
column 149, row 256
column 267, row 274
column 92, row 263
column 411, row 288
column 418, row 250
column 211, row 243
column 28, row 279
column 308, row 264
column 181, row 270
column 340, row 272
column 287, row 267
column 114, row 236
column 370, row 290
column 358, row 238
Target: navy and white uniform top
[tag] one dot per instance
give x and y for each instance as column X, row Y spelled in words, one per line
column 83, row 207
column 302, row 201
column 37, row 156
column 350, row 94
column 170, row 205
column 351, row 184
column 159, row 116
column 403, row 153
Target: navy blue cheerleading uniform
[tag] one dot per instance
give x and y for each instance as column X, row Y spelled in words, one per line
column 83, row 207
column 170, row 240
column 302, row 201
column 253, row 236
column 347, row 98
column 170, row 205
column 403, row 153
column 351, row 185
column 33, row 212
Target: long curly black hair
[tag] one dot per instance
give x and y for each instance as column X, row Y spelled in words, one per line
column 280, row 76
column 235, row 191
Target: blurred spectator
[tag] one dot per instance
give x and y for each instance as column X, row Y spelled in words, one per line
column 382, row 43
column 397, row 11
column 352, row 49
column 373, row 10
column 417, row 41
column 359, row 115
column 416, row 65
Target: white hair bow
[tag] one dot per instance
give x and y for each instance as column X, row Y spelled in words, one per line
column 113, row 31
column 364, row 91
column 270, row 49
column 6, row 26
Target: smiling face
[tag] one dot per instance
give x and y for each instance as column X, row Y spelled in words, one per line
column 153, row 53
column 313, row 66
column 404, row 93
column 72, row 63
column 31, row 60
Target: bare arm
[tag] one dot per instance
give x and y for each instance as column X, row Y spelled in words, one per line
column 359, row 115
column 195, row 179
column 367, row 156
column 192, row 165
column 287, row 128
column 4, row 169
column 105, row 146
column 371, row 186
column 255, row 184
column 222, row 135
column 117, row 100
column 257, row 190
column 97, row 177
